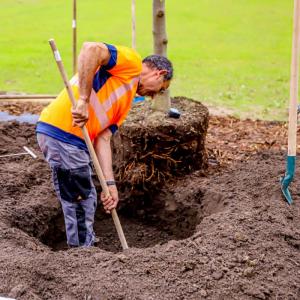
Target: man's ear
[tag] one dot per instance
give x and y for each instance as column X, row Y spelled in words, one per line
column 162, row 72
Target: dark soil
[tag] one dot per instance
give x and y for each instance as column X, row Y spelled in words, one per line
column 219, row 233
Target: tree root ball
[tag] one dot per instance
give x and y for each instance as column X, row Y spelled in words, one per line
column 151, row 147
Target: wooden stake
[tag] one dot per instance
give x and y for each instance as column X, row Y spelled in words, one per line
column 89, row 145
column 20, row 96
column 133, row 24
column 74, row 27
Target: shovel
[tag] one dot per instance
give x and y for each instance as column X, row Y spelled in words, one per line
column 292, row 130
column 89, row 145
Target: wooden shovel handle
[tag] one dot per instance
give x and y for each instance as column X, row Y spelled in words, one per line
column 89, row 144
column 292, row 132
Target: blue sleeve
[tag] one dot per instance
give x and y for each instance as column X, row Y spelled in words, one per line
column 113, row 57
column 113, row 128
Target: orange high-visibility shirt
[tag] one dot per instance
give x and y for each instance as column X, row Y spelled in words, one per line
column 114, row 87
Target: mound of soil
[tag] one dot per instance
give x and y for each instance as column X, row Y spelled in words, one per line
column 222, row 233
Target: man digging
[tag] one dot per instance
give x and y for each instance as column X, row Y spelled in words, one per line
column 108, row 79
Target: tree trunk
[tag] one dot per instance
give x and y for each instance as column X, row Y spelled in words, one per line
column 161, row 102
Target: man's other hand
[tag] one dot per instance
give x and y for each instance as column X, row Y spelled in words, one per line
column 110, row 202
column 80, row 113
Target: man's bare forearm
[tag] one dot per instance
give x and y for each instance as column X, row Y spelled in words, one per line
column 91, row 57
column 103, row 151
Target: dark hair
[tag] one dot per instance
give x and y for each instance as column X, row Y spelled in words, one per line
column 160, row 62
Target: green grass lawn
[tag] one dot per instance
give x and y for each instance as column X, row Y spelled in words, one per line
column 232, row 53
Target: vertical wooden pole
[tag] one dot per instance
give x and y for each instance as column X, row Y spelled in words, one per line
column 133, row 24
column 162, row 101
column 292, row 132
column 74, row 27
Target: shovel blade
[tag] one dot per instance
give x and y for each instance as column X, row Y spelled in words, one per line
column 287, row 195
column 287, row 179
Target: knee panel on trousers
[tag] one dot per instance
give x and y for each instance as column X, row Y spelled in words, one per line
column 74, row 184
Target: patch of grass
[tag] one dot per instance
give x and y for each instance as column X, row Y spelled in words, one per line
column 230, row 53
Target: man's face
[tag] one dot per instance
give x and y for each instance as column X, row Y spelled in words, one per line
column 152, row 82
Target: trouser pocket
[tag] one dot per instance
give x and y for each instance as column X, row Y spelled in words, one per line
column 74, row 184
